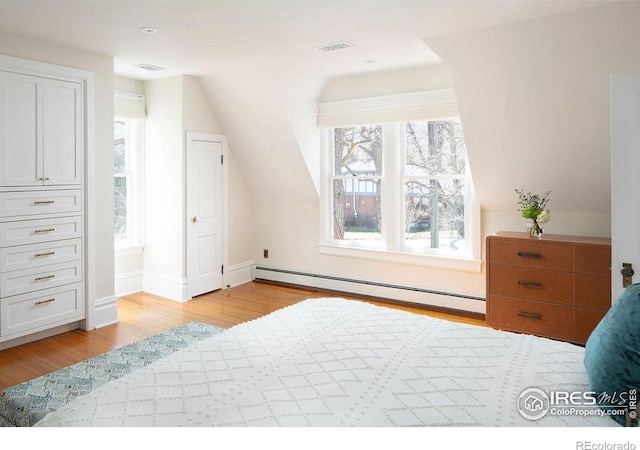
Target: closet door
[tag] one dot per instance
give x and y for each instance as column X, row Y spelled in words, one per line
column 63, row 131
column 20, row 130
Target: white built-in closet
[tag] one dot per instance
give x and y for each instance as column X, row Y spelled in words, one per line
column 42, row 190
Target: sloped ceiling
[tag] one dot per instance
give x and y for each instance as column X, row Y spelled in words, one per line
column 259, row 62
column 534, row 103
column 271, row 130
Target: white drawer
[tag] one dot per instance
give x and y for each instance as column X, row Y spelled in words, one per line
column 17, row 204
column 37, row 278
column 41, row 230
column 42, row 309
column 37, row 255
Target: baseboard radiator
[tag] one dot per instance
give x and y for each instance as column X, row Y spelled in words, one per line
column 422, row 296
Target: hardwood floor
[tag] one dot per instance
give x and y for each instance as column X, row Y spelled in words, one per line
column 142, row 315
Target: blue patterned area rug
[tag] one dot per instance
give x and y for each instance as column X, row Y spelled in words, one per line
column 26, row 403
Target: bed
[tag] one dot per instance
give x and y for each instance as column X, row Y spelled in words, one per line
column 335, row 362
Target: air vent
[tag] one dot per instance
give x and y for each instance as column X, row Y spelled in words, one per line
column 335, row 46
column 149, row 67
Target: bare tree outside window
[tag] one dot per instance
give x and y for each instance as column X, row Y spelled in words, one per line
column 435, row 172
column 425, row 175
column 357, row 183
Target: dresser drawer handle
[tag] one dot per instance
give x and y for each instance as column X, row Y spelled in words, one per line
column 46, row 230
column 44, row 202
column 531, row 284
column 529, row 315
column 40, row 255
column 43, row 302
column 48, row 277
column 529, row 255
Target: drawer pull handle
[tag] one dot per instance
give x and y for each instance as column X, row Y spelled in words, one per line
column 44, row 202
column 529, row 255
column 46, row 230
column 531, row 284
column 40, row 255
column 43, row 302
column 529, row 315
column 48, row 277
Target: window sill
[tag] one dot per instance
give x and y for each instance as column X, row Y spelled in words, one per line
column 427, row 260
column 129, row 249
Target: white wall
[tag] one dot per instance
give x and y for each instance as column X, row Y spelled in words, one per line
column 128, row 85
column 241, row 217
column 199, row 117
column 388, row 82
column 534, row 102
column 100, row 279
column 176, row 105
column 164, row 180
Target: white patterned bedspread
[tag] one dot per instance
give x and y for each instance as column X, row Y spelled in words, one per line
column 335, row 362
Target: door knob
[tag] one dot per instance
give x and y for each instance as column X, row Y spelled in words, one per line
column 194, row 219
column 627, row 274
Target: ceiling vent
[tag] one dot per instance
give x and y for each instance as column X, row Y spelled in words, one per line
column 335, row 46
column 149, row 67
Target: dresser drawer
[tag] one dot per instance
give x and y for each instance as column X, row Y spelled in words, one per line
column 595, row 260
column 17, row 204
column 37, row 278
column 40, row 310
column 37, row 255
column 41, row 230
column 593, row 291
column 544, row 319
column 531, row 254
column 536, row 284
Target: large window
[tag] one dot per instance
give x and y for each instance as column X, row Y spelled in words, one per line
column 418, row 165
column 127, row 165
column 396, row 185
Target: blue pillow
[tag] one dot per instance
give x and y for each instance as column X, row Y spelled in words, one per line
column 612, row 353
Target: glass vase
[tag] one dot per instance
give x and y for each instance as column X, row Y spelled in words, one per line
column 534, row 229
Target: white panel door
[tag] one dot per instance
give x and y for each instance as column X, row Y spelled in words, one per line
column 62, row 133
column 204, row 216
column 20, row 130
column 625, row 182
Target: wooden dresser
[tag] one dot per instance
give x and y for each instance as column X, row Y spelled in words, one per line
column 557, row 287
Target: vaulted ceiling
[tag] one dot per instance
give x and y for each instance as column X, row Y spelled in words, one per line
column 259, row 62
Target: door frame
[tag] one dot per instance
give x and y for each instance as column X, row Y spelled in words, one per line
column 191, row 137
column 625, row 158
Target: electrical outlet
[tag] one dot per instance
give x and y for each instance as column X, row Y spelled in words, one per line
column 265, row 253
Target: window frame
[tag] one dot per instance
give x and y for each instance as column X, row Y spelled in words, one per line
column 393, row 248
column 134, row 173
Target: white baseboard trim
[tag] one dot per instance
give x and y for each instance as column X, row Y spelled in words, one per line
column 167, row 286
column 128, row 283
column 237, row 274
column 410, row 294
column 40, row 335
column 105, row 312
